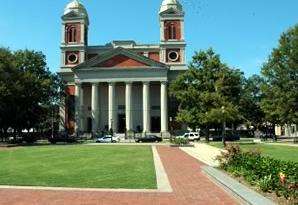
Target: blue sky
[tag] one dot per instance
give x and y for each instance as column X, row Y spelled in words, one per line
column 243, row 32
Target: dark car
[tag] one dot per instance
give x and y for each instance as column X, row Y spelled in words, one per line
column 62, row 137
column 227, row 137
column 148, row 138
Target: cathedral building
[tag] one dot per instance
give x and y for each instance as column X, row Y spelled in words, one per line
column 122, row 85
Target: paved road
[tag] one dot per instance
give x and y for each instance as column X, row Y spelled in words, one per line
column 190, row 186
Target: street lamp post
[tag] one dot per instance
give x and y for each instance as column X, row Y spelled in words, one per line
column 52, row 122
column 171, row 127
column 223, row 126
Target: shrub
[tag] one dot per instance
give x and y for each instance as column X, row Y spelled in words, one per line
column 265, row 183
column 269, row 175
column 180, row 141
column 130, row 134
column 30, row 138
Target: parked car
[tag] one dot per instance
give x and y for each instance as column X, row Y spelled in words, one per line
column 62, row 136
column 192, row 136
column 148, row 138
column 108, row 139
column 266, row 136
column 229, row 137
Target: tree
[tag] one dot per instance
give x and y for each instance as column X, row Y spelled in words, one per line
column 28, row 92
column 250, row 102
column 205, row 89
column 8, row 86
column 280, row 102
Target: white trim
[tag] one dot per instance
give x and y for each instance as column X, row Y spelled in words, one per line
column 63, row 34
column 182, row 30
column 162, row 29
column 82, row 33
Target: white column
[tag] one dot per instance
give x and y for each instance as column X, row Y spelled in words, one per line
column 112, row 119
column 82, row 56
column 163, row 54
column 162, row 30
column 128, row 114
column 95, row 107
column 164, row 107
column 63, row 34
column 146, row 107
column 62, row 58
column 82, row 109
column 62, row 115
column 182, row 55
column 77, row 107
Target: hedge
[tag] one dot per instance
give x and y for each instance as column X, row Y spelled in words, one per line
column 268, row 174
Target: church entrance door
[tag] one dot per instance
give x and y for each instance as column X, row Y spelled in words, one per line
column 121, row 123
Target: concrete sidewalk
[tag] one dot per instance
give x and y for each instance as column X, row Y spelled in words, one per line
column 204, row 153
column 281, row 144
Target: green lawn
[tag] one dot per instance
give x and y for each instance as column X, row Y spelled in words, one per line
column 79, row 166
column 286, row 153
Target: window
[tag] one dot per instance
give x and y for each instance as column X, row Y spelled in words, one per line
column 155, row 107
column 121, row 107
column 173, row 56
column 71, row 34
column 72, row 58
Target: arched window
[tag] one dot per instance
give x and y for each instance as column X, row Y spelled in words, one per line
column 172, row 31
column 72, row 34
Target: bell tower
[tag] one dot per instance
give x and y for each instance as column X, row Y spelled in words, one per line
column 74, row 41
column 172, row 41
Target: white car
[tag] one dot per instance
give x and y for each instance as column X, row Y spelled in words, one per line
column 192, row 136
column 108, row 139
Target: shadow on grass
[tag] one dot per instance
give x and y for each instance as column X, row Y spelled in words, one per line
column 40, row 144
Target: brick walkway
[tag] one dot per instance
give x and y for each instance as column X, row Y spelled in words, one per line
column 190, row 186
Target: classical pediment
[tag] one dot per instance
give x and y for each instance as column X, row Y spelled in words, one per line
column 120, row 58
column 121, row 61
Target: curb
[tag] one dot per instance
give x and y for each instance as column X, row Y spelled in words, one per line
column 245, row 194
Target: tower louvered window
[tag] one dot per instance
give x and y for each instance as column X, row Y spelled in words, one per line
column 72, row 34
column 172, row 31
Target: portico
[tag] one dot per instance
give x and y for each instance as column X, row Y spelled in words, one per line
column 130, row 99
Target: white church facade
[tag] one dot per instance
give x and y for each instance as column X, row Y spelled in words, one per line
column 122, row 85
